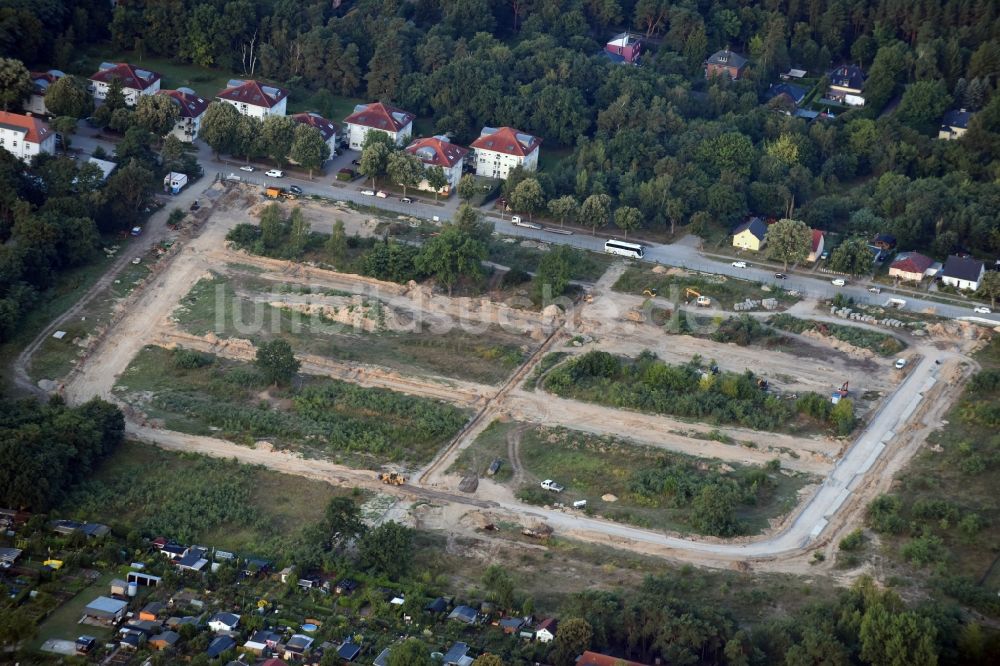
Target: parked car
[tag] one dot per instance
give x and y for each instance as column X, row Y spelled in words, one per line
column 549, row 484
column 838, row 282
column 825, row 255
column 900, row 363
column 295, row 189
column 739, row 264
column 406, row 200
column 247, row 168
column 136, row 231
column 355, row 162
column 381, row 194
column 982, row 309
column 275, row 173
column 368, row 193
column 875, row 290
column 780, row 276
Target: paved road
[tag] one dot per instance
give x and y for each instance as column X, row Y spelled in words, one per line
column 682, row 254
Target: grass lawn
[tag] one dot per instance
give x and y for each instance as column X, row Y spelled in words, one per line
column 549, row 158
column 488, row 356
column 654, row 488
column 585, row 266
column 362, row 427
column 207, row 82
column 64, row 622
column 69, row 287
column 490, row 445
column 202, row 500
column 723, row 291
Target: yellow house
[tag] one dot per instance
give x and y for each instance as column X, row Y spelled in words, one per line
column 750, row 235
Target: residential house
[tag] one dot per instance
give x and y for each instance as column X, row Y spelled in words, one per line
column 159, row 542
column 285, row 574
column 219, row 645
column 24, row 137
column 511, row 625
column 383, row 658
column 545, row 632
column 792, row 73
column 725, row 63
column 911, row 266
column 132, row 640
column 439, row 151
column 174, row 551
column 84, row 644
column 589, row 658
column 135, row 81
column 256, row 567
column 193, row 560
column 439, row 605
column 458, row 655
column 465, row 614
column 348, row 650
column 40, row 82
column 190, row 108
column 378, row 117
column 105, row 610
column 816, row 249
column 176, row 623
column 750, row 235
column 147, row 627
column 224, row 622
column 255, row 99
column 297, row 646
column 954, row 124
column 8, row 556
column 624, row 48
column 500, row 149
column 962, row 272
column 106, row 166
column 790, row 93
column 119, row 587
column 847, row 84
column 151, row 610
column 884, row 242
column 164, row 641
column 327, row 129
column 262, row 640
column 143, row 579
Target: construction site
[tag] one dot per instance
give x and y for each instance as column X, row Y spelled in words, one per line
column 472, row 437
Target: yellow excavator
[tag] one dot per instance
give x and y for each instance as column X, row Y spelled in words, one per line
column 392, row 478
column 702, row 301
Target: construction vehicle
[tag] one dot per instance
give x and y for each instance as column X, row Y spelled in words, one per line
column 392, row 478
column 839, row 394
column 277, row 193
column 702, row 301
column 650, row 292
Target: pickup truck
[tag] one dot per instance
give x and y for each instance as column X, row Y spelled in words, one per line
column 549, row 484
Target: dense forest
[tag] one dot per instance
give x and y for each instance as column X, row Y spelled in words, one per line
column 659, row 138
column 45, row 449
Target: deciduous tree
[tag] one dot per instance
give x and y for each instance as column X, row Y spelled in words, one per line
column 450, row 255
column 788, row 241
column 564, row 208
column 67, row 97
column 156, row 113
column 309, row 150
column 219, row 126
column 436, row 179
column 374, row 160
column 628, row 219
column 467, row 187
column 15, row 84
column 572, row 640
column 276, row 361
column 989, row 287
column 277, row 135
column 387, row 549
column 853, row 257
column 595, row 211
column 405, row 169
column 527, row 197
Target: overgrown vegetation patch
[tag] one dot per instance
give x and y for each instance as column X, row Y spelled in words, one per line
column 692, row 391
column 654, row 488
column 943, row 518
column 351, row 424
column 882, row 344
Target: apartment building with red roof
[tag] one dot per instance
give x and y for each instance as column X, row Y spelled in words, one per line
column 255, row 99
column 500, row 149
column 191, row 107
column 135, row 81
column 439, row 151
column 378, row 117
column 25, row 136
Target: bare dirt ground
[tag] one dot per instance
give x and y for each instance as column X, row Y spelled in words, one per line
column 853, row 472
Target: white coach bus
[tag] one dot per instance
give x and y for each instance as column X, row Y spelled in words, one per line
column 633, row 250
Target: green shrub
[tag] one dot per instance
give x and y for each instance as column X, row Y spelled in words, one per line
column 925, row 550
column 883, row 515
column 853, row 541
column 514, row 277
column 189, row 359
